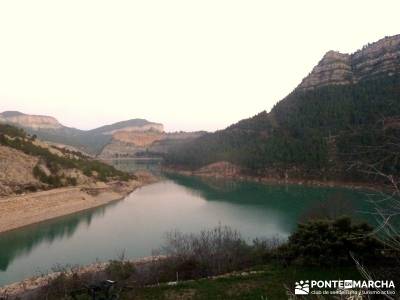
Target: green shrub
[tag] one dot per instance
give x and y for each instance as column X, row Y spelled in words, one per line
column 329, row 243
column 71, row 181
column 51, row 180
column 12, row 131
column 210, row 252
column 120, row 269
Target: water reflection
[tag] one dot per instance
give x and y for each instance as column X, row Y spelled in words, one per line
column 295, row 202
column 22, row 241
column 152, row 165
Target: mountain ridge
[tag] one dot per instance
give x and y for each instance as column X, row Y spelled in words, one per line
column 91, row 141
column 33, row 121
column 14, row 117
column 127, row 138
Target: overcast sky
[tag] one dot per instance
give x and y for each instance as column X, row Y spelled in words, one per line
column 190, row 65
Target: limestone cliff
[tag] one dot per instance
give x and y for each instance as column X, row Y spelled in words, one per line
column 138, row 138
column 147, row 127
column 130, row 144
column 379, row 58
column 31, row 121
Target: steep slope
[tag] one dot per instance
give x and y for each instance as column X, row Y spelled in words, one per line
column 16, row 171
column 318, row 130
column 28, row 164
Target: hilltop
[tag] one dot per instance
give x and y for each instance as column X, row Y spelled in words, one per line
column 348, row 104
column 372, row 61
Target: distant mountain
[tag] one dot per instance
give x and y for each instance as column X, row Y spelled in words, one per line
column 129, row 125
column 31, row 121
column 130, row 138
column 346, row 107
column 91, row 141
column 150, row 143
column 10, row 114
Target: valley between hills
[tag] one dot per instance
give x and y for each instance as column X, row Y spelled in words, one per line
column 339, row 127
column 316, row 135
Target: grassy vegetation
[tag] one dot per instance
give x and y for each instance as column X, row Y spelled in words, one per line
column 268, row 282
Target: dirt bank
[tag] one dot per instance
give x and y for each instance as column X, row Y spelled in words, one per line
column 226, row 170
column 22, row 210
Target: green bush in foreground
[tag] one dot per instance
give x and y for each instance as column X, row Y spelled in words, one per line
column 222, row 250
column 120, row 269
column 330, row 242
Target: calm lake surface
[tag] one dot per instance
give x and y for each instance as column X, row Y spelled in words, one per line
column 136, row 224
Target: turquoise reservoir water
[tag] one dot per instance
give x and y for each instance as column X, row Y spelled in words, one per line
column 137, row 223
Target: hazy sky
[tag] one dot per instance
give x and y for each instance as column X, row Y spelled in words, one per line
column 188, row 64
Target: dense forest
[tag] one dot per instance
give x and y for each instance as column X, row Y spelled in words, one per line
column 319, row 132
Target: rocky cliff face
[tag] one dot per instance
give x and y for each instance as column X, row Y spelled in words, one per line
column 31, row 121
column 138, row 138
column 147, row 127
column 379, row 58
column 130, row 144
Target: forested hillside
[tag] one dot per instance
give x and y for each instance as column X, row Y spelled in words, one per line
column 323, row 131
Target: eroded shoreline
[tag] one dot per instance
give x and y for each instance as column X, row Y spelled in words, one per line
column 23, row 210
column 216, row 174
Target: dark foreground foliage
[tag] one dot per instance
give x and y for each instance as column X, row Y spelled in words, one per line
column 318, row 249
column 330, row 243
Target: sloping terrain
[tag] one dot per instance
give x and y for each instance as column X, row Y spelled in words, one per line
column 16, row 171
column 28, row 164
